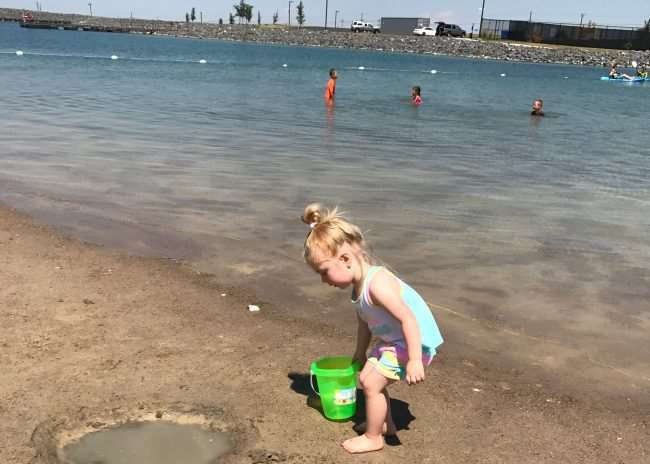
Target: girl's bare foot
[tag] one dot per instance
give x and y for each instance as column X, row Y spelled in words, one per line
column 363, row 444
column 389, row 429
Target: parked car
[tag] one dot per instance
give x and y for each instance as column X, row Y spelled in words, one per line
column 360, row 26
column 450, row 30
column 424, row 31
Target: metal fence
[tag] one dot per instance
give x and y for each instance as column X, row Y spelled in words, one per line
column 567, row 34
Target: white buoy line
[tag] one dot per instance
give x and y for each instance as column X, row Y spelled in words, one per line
column 103, row 57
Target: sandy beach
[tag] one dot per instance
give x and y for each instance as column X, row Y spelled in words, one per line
column 92, row 337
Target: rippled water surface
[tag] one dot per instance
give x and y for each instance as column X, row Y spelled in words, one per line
column 534, row 226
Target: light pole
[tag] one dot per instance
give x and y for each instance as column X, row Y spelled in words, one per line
column 336, row 16
column 480, row 26
column 290, row 2
column 326, row 8
column 90, row 5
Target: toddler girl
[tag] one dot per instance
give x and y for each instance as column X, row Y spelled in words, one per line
column 387, row 309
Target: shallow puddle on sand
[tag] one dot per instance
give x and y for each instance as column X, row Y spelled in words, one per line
column 148, row 443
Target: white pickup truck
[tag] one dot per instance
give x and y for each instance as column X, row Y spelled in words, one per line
column 361, row 26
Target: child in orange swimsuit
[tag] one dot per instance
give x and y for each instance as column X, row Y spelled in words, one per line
column 330, row 90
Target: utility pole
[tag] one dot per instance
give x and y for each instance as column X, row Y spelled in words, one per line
column 582, row 16
column 201, row 15
column 326, row 7
column 290, row 2
column 90, row 5
column 336, row 15
column 480, row 26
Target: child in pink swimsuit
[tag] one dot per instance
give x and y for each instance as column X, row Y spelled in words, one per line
column 416, row 99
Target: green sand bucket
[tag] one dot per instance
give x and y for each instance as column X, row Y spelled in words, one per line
column 337, row 382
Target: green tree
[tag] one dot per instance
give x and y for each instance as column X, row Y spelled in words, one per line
column 300, row 17
column 231, row 19
column 244, row 11
column 259, row 17
column 193, row 14
column 187, row 17
column 249, row 12
column 275, row 17
column 220, row 21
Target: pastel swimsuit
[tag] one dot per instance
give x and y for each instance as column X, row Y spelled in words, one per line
column 390, row 354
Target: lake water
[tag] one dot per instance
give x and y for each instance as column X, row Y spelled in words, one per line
column 532, row 227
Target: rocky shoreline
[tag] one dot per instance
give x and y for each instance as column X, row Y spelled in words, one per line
column 316, row 37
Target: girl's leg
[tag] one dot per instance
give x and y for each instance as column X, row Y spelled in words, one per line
column 388, row 429
column 389, row 426
column 373, row 384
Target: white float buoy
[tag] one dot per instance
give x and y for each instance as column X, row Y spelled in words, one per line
column 361, row 68
column 114, row 57
column 202, row 61
column 434, row 71
column 19, row 52
column 285, row 65
column 503, row 74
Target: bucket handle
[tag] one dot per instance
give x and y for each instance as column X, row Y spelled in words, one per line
column 311, row 382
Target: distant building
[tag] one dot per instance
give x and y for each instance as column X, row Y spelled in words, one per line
column 587, row 35
column 402, row 25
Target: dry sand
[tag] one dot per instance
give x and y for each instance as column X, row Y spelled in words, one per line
column 89, row 335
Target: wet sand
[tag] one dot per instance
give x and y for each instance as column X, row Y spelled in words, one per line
column 87, row 331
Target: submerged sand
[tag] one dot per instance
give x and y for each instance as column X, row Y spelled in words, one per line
column 87, row 331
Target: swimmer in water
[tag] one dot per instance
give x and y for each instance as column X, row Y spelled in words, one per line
column 416, row 98
column 538, row 106
column 330, row 90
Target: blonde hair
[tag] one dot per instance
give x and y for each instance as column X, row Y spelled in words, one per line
column 329, row 231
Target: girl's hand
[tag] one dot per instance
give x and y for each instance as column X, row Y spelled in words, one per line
column 414, row 372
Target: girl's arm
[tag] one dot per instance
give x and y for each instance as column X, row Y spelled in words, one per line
column 385, row 292
column 363, row 341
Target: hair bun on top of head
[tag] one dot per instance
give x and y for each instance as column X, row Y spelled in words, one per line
column 312, row 215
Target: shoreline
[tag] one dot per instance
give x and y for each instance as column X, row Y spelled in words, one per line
column 88, row 330
column 343, row 39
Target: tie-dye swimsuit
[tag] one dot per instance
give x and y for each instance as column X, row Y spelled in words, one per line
column 390, row 354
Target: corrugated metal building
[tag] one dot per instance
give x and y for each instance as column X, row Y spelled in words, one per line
column 567, row 34
column 402, row 25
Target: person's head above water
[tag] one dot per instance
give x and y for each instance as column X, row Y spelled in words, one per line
column 334, row 246
column 538, row 106
column 333, row 74
column 416, row 99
